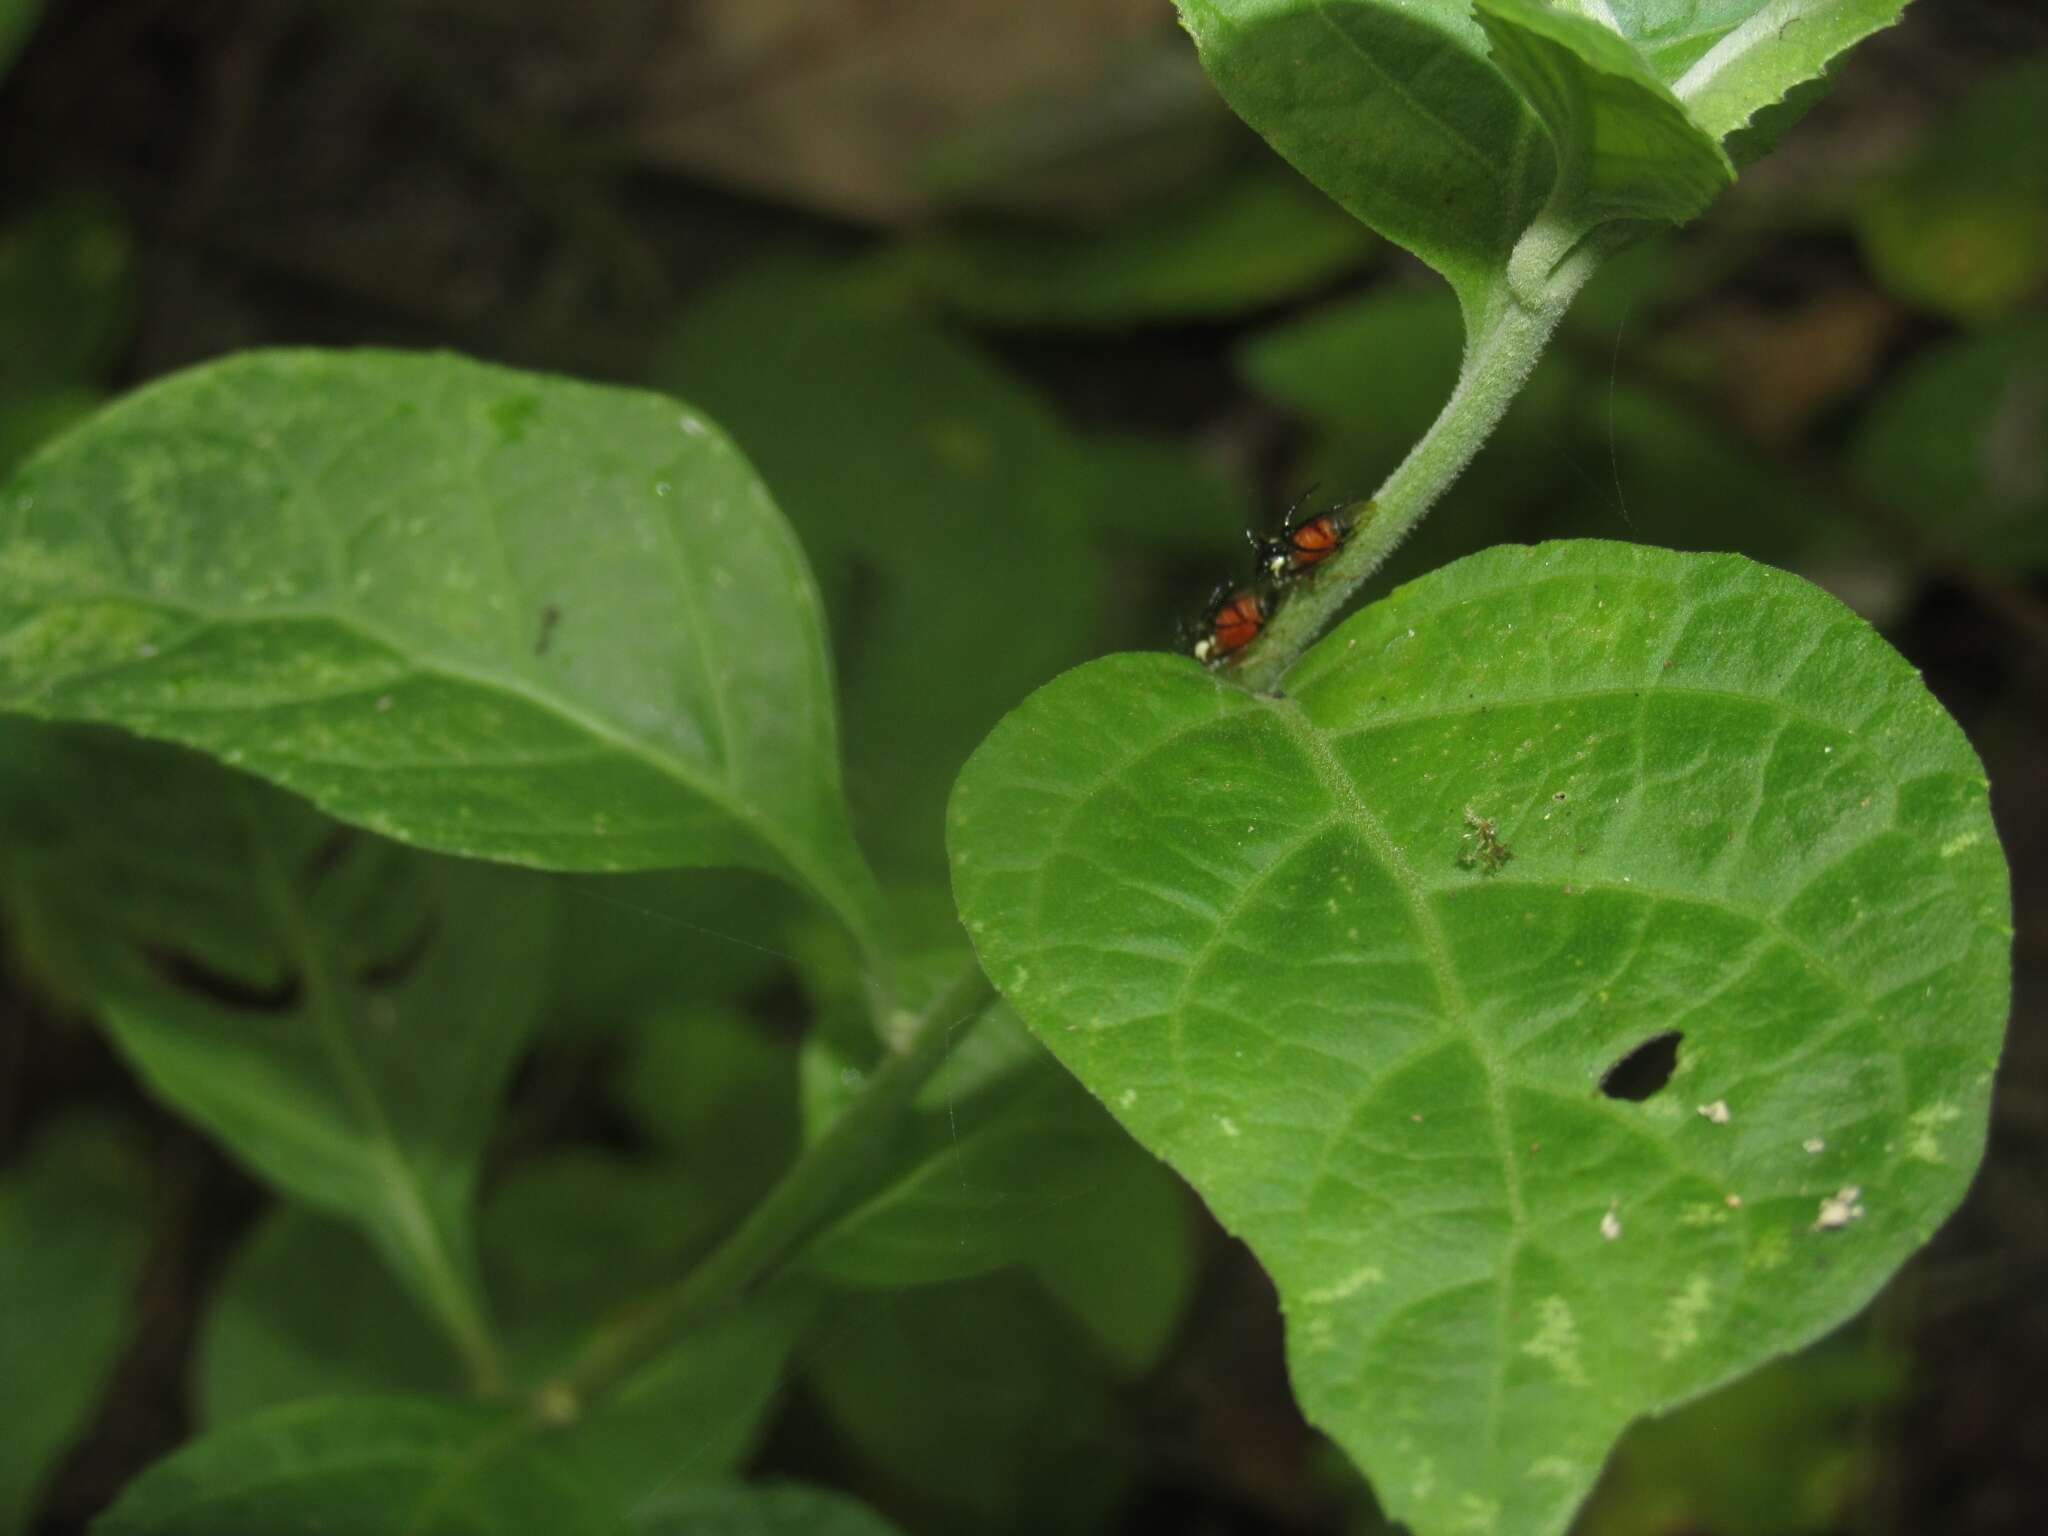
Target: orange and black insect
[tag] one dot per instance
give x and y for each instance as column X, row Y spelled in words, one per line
column 1302, row 543
column 1233, row 621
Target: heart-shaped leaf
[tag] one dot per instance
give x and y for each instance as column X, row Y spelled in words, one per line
column 1359, row 960
column 1429, row 122
column 342, row 1012
column 482, row 611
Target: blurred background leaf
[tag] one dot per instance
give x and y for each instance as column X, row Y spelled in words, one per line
column 74, row 1220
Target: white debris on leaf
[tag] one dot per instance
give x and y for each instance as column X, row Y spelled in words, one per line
column 1839, row 1209
column 1610, row 1225
column 1814, row 1145
column 1716, row 1112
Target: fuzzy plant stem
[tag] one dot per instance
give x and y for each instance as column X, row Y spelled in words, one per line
column 1502, row 348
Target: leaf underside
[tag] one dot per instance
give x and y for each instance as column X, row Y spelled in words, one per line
column 1409, row 115
column 1356, row 959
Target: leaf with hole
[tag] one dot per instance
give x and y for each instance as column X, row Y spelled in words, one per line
column 74, row 1212
column 340, row 1011
column 483, row 611
column 1265, row 931
column 370, row 1466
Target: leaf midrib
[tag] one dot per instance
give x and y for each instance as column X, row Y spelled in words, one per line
column 431, row 664
column 1344, row 790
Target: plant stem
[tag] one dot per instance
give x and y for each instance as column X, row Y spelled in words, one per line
column 816, row 1189
column 1500, row 354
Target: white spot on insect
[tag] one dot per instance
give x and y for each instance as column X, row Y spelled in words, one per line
column 384, row 704
column 1681, row 1329
column 1127, row 1098
column 1349, row 1286
column 1556, row 1340
column 1956, row 845
column 1839, row 1209
column 1814, row 1146
column 1227, row 1126
column 1715, row 1113
column 1610, row 1225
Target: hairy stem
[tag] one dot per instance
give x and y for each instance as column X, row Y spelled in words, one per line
column 830, row 1173
column 1500, row 353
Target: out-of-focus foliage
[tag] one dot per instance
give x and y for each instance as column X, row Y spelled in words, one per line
column 1962, row 227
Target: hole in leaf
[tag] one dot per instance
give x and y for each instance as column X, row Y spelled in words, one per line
column 191, row 975
column 1644, row 1070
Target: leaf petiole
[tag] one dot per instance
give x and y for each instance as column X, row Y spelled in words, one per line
column 822, row 1182
column 1551, row 263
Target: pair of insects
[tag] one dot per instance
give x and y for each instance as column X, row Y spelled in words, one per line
column 1236, row 614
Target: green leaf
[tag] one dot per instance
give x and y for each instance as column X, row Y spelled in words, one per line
column 876, row 434
column 739, row 1511
column 67, row 292
column 717, row 1091
column 483, row 611
column 980, row 1403
column 17, row 20
column 1958, row 443
column 1727, row 60
column 635, row 943
column 378, row 1466
column 1048, row 1183
column 341, row 1011
column 1790, row 1451
column 1397, row 109
column 305, row 1308
column 73, row 1224
column 1395, row 112
column 307, row 1311
column 1626, row 147
column 1356, row 960
column 1962, row 227
column 1252, row 239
